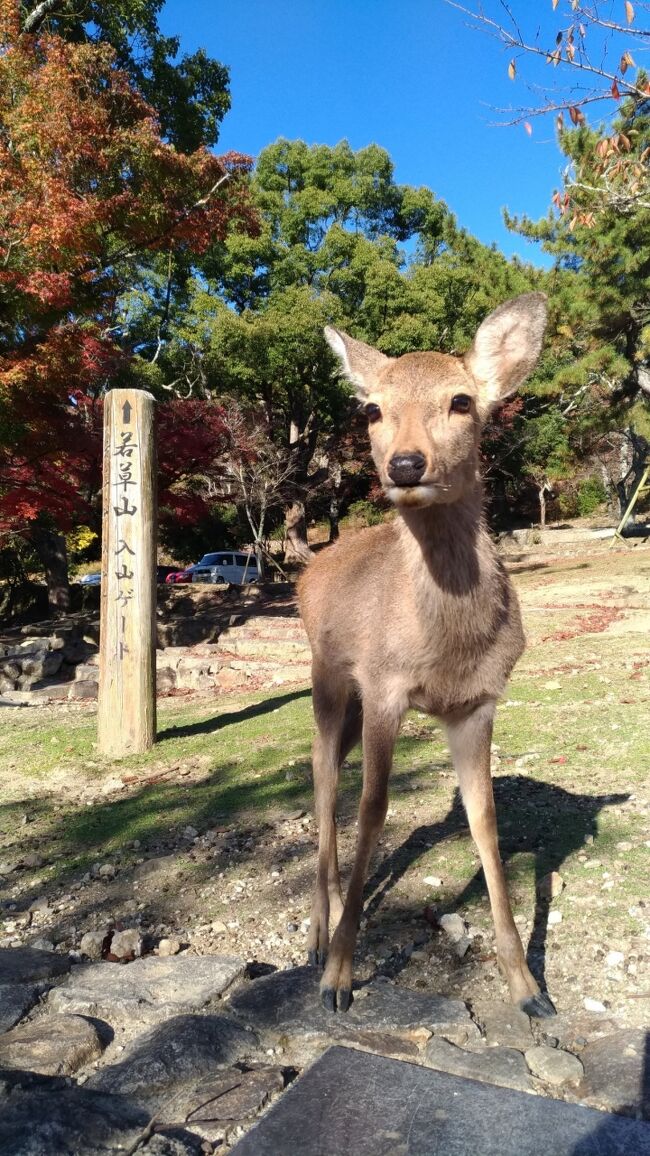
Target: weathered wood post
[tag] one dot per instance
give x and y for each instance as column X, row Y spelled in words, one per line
column 127, row 652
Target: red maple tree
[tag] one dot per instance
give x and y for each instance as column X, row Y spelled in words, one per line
column 87, row 188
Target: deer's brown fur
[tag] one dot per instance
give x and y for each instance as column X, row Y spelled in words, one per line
column 417, row 613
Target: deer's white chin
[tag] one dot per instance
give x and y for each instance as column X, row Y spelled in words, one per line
column 428, row 494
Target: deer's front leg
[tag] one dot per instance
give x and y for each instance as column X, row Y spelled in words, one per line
column 470, row 742
column 379, row 734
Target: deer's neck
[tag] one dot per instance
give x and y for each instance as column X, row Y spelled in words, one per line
column 447, row 549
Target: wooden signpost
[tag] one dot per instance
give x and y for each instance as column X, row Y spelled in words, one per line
column 127, row 654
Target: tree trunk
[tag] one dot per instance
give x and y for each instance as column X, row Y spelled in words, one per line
column 333, row 516
column 335, row 478
column 542, row 504
column 53, row 555
column 295, row 529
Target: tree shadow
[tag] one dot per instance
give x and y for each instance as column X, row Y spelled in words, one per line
column 534, row 817
column 218, row 722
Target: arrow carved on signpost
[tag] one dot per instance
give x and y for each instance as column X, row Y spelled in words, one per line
column 126, row 413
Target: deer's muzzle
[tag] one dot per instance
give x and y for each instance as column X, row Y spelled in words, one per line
column 406, row 469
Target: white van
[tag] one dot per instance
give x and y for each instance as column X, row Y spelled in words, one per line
column 226, row 566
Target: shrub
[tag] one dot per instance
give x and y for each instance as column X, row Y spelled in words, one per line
column 591, row 494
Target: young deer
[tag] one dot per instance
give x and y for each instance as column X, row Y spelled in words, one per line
column 417, row 613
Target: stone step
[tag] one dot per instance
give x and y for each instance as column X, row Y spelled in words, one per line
column 268, row 666
column 292, row 632
column 261, row 648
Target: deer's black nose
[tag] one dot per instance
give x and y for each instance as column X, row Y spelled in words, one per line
column 406, row 469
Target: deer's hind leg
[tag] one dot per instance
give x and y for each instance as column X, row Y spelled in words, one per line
column 338, row 715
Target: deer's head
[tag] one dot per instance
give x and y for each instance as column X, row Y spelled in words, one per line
column 426, row 410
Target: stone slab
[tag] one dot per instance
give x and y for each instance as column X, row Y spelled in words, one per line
column 289, row 1002
column 219, row 1102
column 554, row 1066
column 505, row 1067
column 42, row 1120
column 504, row 1024
column 355, row 1104
column 56, row 1045
column 617, row 1072
column 24, row 964
column 146, row 990
column 16, row 999
column 162, row 1061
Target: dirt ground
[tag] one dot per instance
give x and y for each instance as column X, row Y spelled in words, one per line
column 210, row 838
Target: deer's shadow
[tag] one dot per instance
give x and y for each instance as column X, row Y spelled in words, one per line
column 534, row 817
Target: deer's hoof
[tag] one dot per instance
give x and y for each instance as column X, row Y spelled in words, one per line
column 344, row 999
column 316, row 958
column 538, row 1006
column 328, row 999
column 336, row 1000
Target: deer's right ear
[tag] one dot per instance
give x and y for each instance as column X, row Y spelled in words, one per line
column 360, row 363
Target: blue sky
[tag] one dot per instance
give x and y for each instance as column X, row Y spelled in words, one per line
column 406, row 74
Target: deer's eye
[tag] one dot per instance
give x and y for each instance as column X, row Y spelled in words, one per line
column 372, row 411
column 460, row 403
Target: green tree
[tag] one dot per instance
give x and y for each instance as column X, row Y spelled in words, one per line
column 190, row 94
column 340, row 242
column 598, row 366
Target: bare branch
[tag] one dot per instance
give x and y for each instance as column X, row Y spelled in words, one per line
column 40, row 13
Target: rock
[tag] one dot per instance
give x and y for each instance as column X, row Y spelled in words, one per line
column 550, row 886
column 190, row 833
column 169, row 947
column 615, row 1072
column 553, row 1066
column 453, row 926
column 83, row 690
column 22, row 964
column 126, row 944
column 461, row 946
column 31, row 860
column 503, row 1066
column 593, row 1005
column 53, row 1045
column 227, row 1097
column 503, row 1024
column 289, row 1001
column 146, row 990
column 41, row 903
column 16, row 999
column 165, row 1059
column 554, row 917
column 614, row 958
column 106, row 871
column 36, row 1121
column 154, row 866
column 432, row 881
column 93, row 942
column 42, row 944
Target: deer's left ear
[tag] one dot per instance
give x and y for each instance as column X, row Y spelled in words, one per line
column 506, row 347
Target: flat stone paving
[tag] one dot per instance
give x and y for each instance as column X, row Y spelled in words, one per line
column 353, row 1103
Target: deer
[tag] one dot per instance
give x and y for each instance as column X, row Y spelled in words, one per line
column 417, row 612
